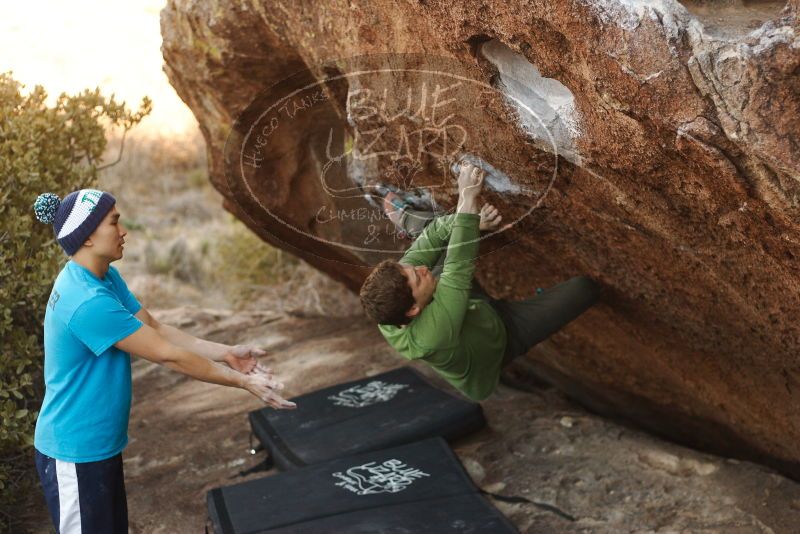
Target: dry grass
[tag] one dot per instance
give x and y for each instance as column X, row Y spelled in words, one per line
column 184, row 249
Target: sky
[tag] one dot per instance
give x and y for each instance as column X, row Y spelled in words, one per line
column 111, row 44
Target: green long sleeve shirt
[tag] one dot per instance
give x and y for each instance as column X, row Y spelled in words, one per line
column 462, row 338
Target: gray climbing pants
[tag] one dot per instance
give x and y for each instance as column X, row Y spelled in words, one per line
column 533, row 320
column 529, row 321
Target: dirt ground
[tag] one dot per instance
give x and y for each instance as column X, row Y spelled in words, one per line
column 187, row 437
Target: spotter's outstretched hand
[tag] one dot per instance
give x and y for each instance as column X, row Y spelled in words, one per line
column 263, row 384
column 242, row 358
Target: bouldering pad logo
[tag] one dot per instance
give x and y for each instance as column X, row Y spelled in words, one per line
column 366, row 394
column 391, row 476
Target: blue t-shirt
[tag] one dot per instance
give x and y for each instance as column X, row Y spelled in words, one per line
column 87, row 401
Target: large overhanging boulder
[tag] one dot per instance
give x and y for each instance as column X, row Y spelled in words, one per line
column 652, row 145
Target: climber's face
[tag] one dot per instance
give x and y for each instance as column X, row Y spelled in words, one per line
column 422, row 284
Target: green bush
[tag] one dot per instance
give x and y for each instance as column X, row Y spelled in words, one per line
column 43, row 148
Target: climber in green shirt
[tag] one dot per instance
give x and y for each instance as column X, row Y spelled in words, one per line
column 464, row 334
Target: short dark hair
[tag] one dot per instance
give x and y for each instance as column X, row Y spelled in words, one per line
column 386, row 295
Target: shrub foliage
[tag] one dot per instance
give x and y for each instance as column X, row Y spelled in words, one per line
column 53, row 147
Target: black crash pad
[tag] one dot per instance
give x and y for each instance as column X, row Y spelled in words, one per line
column 374, row 413
column 464, row 514
column 420, row 487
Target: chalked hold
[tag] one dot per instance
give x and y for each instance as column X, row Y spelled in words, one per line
column 374, row 413
column 419, row 487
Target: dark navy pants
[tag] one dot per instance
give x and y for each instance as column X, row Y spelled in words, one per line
column 84, row 498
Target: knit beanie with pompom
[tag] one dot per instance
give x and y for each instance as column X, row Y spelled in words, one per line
column 74, row 218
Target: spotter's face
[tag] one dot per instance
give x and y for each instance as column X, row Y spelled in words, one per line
column 108, row 239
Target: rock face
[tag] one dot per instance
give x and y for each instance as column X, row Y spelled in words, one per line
column 652, row 145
